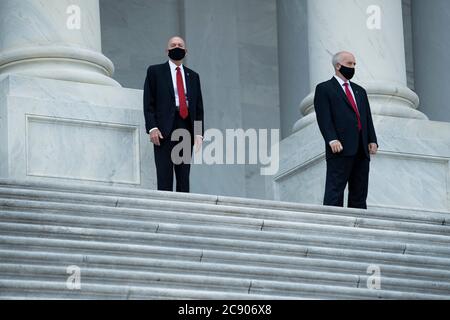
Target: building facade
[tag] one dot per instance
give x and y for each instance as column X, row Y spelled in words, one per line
column 259, row 62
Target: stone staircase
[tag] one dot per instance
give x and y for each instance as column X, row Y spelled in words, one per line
column 140, row 244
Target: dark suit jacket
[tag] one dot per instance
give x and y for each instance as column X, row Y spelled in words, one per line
column 337, row 119
column 159, row 99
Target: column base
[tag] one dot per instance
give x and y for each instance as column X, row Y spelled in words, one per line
column 59, row 63
column 386, row 99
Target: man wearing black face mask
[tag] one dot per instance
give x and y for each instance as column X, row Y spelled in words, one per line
column 172, row 100
column 345, row 121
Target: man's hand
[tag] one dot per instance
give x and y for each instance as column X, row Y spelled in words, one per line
column 198, row 143
column 373, row 148
column 155, row 135
column 336, row 146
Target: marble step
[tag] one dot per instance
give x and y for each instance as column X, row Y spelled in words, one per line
column 137, row 257
column 133, row 243
column 179, row 211
column 76, row 239
column 351, row 231
column 139, row 231
column 57, row 290
column 284, row 210
column 164, row 270
column 293, row 290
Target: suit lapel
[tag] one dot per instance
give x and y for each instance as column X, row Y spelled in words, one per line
column 341, row 92
column 188, row 77
column 358, row 98
column 168, row 80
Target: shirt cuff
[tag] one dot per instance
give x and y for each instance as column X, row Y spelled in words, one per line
column 153, row 130
column 331, row 142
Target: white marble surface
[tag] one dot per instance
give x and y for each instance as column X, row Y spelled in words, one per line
column 65, row 131
column 73, row 149
column 342, row 25
column 412, row 168
column 44, row 22
column 212, row 35
column 35, row 40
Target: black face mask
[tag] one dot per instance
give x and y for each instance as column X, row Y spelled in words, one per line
column 177, row 54
column 347, row 72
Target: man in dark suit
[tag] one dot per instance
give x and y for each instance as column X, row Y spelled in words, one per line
column 173, row 100
column 345, row 121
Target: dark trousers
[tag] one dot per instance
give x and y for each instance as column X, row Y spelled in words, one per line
column 165, row 166
column 353, row 171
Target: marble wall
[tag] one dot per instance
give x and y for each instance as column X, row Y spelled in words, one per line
column 293, row 55
column 431, row 56
column 409, row 52
column 135, row 34
column 258, row 75
column 54, row 130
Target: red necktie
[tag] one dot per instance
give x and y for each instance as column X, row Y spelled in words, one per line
column 353, row 103
column 181, row 95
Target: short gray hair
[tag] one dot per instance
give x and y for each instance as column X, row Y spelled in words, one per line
column 337, row 58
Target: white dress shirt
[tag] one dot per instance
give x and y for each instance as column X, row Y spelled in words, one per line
column 342, row 82
column 173, row 69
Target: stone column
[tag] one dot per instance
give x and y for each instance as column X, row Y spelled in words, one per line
column 431, row 56
column 293, row 60
column 36, row 40
column 380, row 53
column 211, row 33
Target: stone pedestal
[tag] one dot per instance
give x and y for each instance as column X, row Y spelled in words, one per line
column 52, row 130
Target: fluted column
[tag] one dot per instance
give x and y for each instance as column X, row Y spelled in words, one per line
column 352, row 25
column 41, row 38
